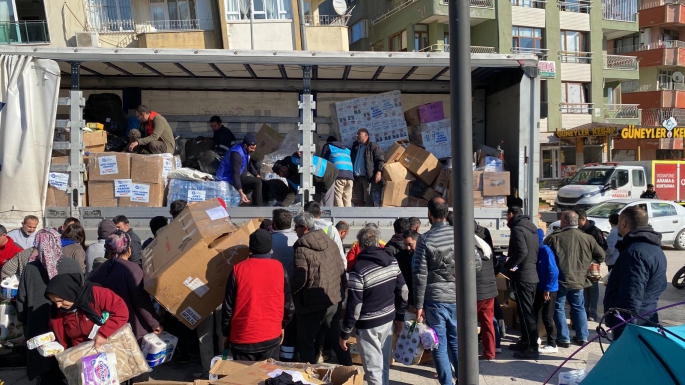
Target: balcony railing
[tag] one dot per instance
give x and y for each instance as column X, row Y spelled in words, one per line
column 529, row 3
column 398, row 7
column 172, row 25
column 621, row 111
column 575, row 57
column 618, row 62
column 656, row 116
column 634, row 86
column 574, row 6
column 542, row 51
column 446, row 48
column 24, row 32
column 474, row 3
column 575, row 108
column 671, row 86
column 327, row 20
column 620, row 10
column 647, row 47
column 658, row 3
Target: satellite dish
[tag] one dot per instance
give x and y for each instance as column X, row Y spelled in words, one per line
column 678, row 77
column 340, row 6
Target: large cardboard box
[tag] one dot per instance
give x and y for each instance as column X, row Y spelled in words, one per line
column 478, row 180
column 144, row 195
column 443, row 181
column 501, row 280
column 478, row 200
column 396, row 194
column 395, row 152
column 496, row 184
column 395, row 172
column 187, row 265
column 495, row 202
column 108, row 166
column 436, row 138
column 427, row 113
column 101, row 194
column 95, row 141
column 258, row 373
column 424, row 165
column 428, row 194
column 147, row 169
column 268, row 140
column 223, row 368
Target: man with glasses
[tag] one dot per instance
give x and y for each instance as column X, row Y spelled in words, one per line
column 236, row 167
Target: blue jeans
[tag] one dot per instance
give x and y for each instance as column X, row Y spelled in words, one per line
column 592, row 300
column 442, row 317
column 498, row 335
column 578, row 315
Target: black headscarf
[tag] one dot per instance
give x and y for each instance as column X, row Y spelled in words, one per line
column 73, row 288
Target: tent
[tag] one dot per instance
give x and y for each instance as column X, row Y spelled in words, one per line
column 642, row 355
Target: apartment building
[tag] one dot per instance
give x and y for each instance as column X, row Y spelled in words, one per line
column 570, row 37
column 198, row 24
column 660, row 89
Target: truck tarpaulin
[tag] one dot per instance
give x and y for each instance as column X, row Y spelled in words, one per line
column 29, row 93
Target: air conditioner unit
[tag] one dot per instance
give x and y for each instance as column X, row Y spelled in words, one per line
column 87, row 39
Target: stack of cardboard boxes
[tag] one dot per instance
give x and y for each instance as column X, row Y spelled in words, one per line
column 409, row 172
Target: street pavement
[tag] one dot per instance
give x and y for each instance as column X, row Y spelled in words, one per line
column 504, row 370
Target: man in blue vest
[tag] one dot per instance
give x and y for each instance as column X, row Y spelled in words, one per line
column 235, row 168
column 324, row 176
column 338, row 154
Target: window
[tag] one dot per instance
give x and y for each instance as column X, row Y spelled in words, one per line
column 420, row 37
column 574, row 98
column 621, row 177
column 528, row 3
column 110, row 15
column 358, row 31
column 173, row 14
column 662, row 210
column 578, row 6
column 665, row 80
column 627, row 44
column 638, row 178
column 526, row 39
column 574, row 47
column 543, row 99
column 398, row 42
column 263, row 9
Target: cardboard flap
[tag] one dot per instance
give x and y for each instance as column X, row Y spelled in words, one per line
column 225, row 368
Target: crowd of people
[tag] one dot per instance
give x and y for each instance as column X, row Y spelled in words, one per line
column 300, row 294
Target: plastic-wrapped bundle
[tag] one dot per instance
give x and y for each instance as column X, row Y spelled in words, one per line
column 409, row 348
column 194, row 191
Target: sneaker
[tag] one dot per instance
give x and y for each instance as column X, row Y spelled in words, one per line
column 498, row 350
column 502, row 328
column 539, row 341
column 591, row 319
column 564, row 345
column 548, row 349
column 528, row 354
column 482, row 358
column 578, row 342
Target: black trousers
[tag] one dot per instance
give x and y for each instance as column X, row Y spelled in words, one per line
column 312, row 328
column 288, row 352
column 254, row 185
column 333, row 339
column 547, row 309
column 525, row 296
column 272, row 352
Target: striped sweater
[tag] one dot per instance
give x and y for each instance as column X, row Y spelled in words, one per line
column 377, row 293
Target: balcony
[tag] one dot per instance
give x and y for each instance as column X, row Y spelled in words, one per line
column 618, row 67
column 540, row 4
column 24, row 32
column 662, row 12
column 656, row 116
column 174, row 34
column 622, row 113
column 650, row 97
column 661, row 53
column 574, row 6
column 428, row 11
column 575, row 114
column 575, row 108
column 619, row 18
column 326, row 20
column 171, row 25
column 446, row 48
column 539, row 51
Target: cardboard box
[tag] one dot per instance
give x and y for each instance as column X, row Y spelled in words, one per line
column 95, row 141
column 501, row 280
column 478, row 200
column 395, row 152
column 414, row 133
column 396, row 194
column 147, row 169
column 259, row 372
column 424, row 165
column 144, row 195
column 268, row 140
column 495, row 202
column 187, row 265
column 478, row 181
column 436, row 138
column 225, row 368
column 101, row 194
column 56, row 197
column 509, row 316
column 443, row 181
column 496, row 184
column 108, row 166
column 431, row 112
column 416, row 202
column 395, row 172
column 428, row 194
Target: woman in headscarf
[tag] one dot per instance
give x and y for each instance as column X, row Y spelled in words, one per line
column 73, row 240
column 125, row 278
column 33, row 309
column 78, row 306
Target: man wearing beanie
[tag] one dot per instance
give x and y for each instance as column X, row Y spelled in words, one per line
column 97, row 249
column 236, row 167
column 258, row 304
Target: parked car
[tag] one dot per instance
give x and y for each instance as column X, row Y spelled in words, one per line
column 666, row 217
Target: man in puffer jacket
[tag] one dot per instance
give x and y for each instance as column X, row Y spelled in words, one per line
column 520, row 266
column 434, row 287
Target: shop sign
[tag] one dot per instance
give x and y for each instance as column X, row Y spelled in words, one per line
column 669, row 130
column 548, row 69
column 582, row 132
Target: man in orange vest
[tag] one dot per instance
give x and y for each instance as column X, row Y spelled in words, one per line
column 154, row 135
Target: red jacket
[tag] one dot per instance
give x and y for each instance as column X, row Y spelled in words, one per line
column 8, row 251
column 73, row 328
column 354, row 252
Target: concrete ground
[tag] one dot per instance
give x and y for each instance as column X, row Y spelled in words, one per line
column 504, row 370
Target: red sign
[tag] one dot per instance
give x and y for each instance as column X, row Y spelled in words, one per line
column 666, row 181
column 682, row 185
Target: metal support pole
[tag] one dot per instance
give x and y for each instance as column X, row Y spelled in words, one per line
column 303, row 27
column 252, row 24
column 462, row 175
column 76, row 104
column 308, row 127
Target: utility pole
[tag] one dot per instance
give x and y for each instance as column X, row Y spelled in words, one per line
column 252, row 24
column 462, row 175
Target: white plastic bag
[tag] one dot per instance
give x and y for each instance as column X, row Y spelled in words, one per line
column 429, row 338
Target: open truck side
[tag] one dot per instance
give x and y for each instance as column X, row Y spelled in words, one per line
column 505, row 110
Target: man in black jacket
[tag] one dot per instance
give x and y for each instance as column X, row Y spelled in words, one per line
column 522, row 270
column 367, row 163
column 121, row 222
column 591, row 294
column 396, row 243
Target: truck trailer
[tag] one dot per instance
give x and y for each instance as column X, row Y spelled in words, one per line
column 506, row 111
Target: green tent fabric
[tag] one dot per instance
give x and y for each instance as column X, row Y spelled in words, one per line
column 642, row 356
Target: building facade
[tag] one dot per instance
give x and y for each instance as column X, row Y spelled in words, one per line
column 583, row 95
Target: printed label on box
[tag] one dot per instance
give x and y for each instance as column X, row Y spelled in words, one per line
column 178, row 162
column 58, row 180
column 197, row 196
column 197, row 286
column 122, row 187
column 190, row 315
column 140, row 193
column 168, row 166
column 217, row 213
column 108, row 165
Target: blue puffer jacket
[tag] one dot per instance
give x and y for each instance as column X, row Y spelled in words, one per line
column 639, row 275
column 548, row 272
